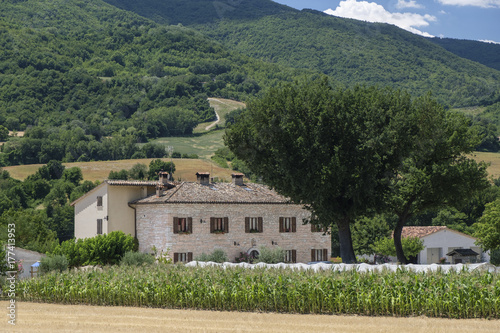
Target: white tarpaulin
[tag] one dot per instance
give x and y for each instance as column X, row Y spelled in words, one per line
column 358, row 267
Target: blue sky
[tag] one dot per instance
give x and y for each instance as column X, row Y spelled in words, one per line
column 461, row 19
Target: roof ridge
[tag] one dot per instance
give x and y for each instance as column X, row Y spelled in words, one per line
column 175, row 191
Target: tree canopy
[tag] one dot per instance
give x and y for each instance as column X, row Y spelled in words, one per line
column 329, row 149
column 435, row 171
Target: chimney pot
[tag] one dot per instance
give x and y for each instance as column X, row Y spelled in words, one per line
column 237, row 178
column 203, row 178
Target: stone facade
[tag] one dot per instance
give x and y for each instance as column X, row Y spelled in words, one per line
column 155, row 227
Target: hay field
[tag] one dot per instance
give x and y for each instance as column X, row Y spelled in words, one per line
column 41, row 317
column 186, row 168
column 493, row 159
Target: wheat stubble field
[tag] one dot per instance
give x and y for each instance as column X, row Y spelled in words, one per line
column 41, row 317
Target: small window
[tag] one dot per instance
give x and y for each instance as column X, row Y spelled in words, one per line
column 288, row 224
column 219, row 225
column 183, row 257
column 253, row 224
column 99, row 201
column 99, row 226
column 319, row 255
column 183, row 225
column 291, row 256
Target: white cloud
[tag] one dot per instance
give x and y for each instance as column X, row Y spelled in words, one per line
column 489, row 41
column 408, row 4
column 373, row 12
column 474, row 3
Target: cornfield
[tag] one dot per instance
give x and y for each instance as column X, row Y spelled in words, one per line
column 402, row 293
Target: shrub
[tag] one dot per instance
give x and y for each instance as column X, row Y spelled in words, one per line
column 98, row 250
column 137, row 259
column 55, row 262
column 271, row 256
column 495, row 257
column 217, row 256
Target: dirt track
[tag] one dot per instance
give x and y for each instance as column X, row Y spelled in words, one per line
column 35, row 317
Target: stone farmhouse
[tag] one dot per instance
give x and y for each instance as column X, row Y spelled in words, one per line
column 191, row 218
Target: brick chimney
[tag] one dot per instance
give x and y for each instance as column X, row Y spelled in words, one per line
column 163, row 177
column 237, row 178
column 159, row 190
column 203, row 178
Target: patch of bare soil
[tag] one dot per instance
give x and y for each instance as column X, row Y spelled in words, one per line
column 38, row 317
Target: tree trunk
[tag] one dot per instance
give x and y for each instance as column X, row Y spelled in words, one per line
column 397, row 241
column 346, row 249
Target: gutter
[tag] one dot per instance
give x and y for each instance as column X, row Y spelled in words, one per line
column 135, row 220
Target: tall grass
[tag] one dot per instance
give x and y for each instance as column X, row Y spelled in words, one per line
column 403, row 293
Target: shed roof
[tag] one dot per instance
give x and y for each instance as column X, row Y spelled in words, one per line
column 193, row 192
column 463, row 253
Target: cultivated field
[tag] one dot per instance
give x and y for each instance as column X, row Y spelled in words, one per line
column 493, row 159
column 186, row 168
column 40, row 317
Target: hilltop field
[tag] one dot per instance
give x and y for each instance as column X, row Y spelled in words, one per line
column 187, row 168
column 42, row 318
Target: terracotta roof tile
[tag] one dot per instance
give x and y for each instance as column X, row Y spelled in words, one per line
column 420, row 231
column 188, row 192
column 132, row 182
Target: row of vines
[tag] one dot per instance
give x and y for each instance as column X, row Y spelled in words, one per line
column 401, row 293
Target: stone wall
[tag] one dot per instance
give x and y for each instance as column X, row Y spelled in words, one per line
column 155, row 228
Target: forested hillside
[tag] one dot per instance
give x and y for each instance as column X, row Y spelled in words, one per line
column 487, row 54
column 349, row 51
column 73, row 73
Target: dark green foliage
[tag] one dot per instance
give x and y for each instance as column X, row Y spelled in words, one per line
column 349, row 51
column 331, row 150
column 122, row 175
column 138, row 171
column 155, row 166
column 105, row 249
column 495, row 257
column 481, row 52
column 50, row 263
column 76, row 73
column 218, row 255
column 137, row 259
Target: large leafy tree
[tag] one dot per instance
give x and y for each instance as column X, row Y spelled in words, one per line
column 488, row 227
column 436, row 172
column 329, row 149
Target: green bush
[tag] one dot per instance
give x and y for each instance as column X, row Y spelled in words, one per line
column 495, row 257
column 270, row 256
column 217, row 255
column 137, row 259
column 99, row 250
column 55, row 262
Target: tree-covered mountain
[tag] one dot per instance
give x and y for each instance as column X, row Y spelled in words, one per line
column 88, row 68
column 349, row 51
column 487, row 54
